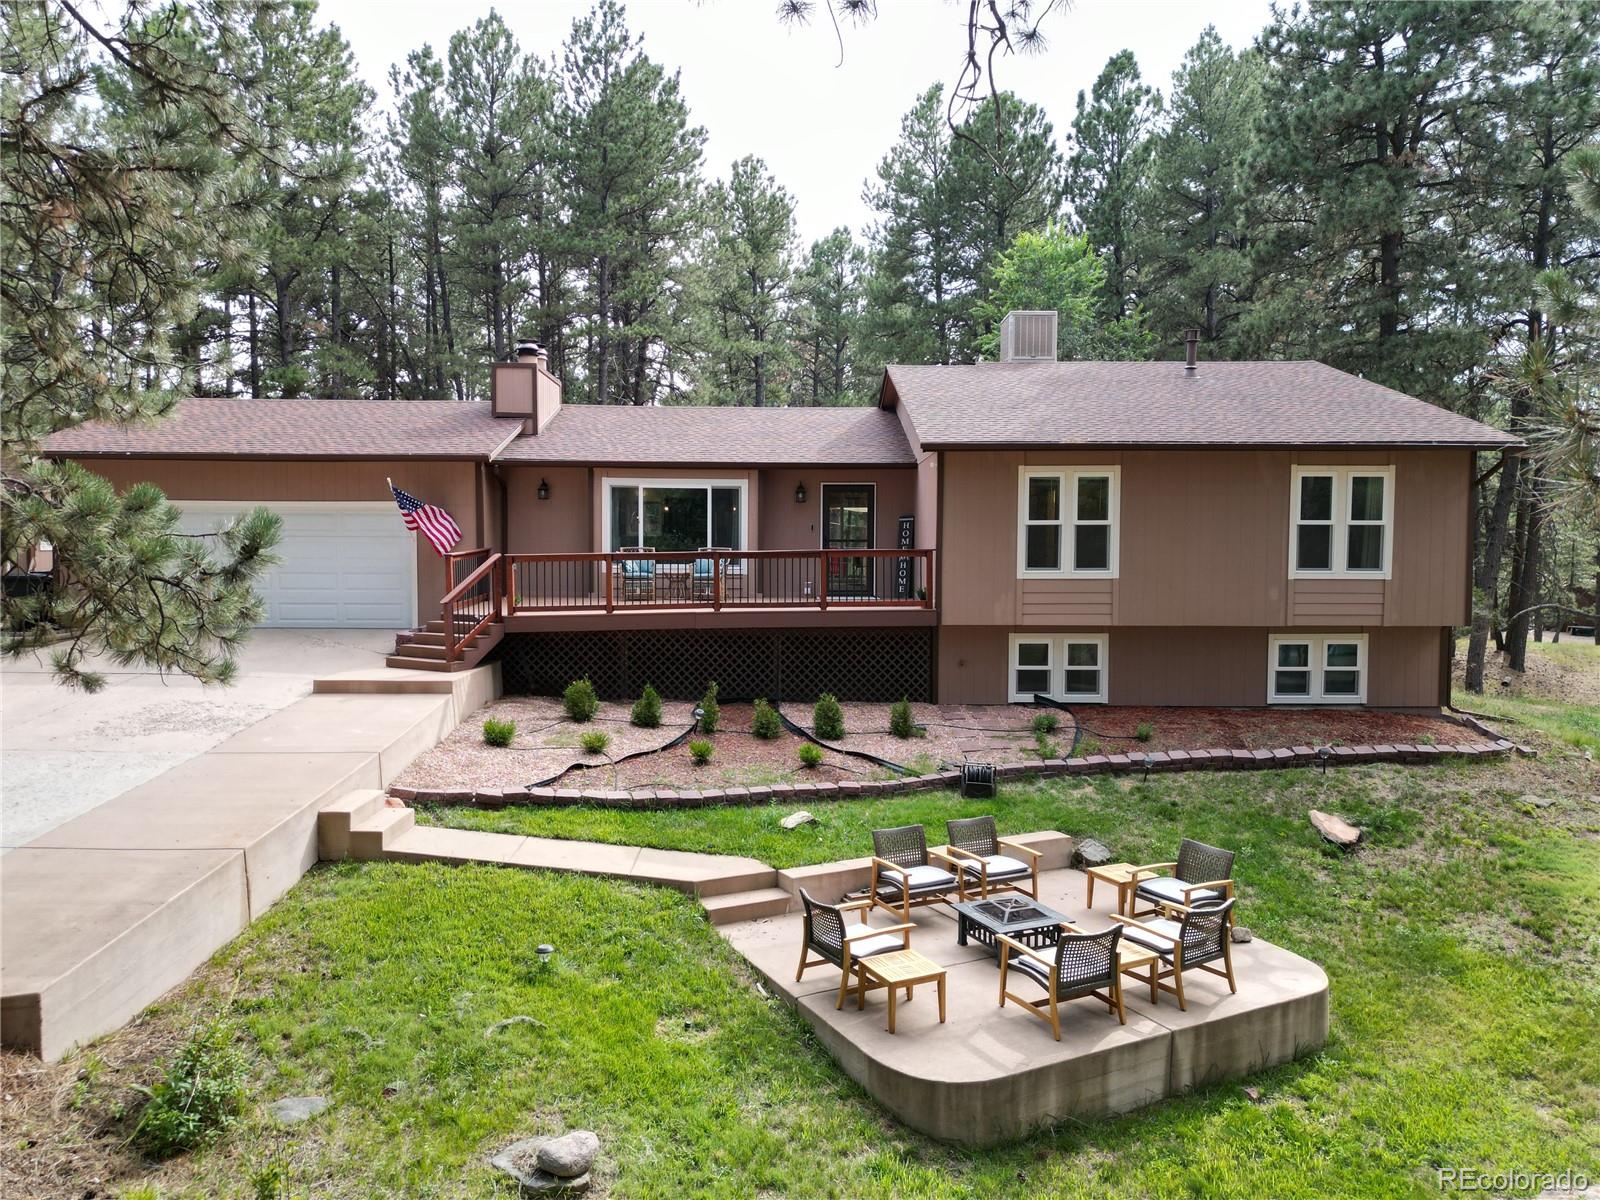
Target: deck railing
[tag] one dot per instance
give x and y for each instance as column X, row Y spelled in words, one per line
column 471, row 605
column 715, row 580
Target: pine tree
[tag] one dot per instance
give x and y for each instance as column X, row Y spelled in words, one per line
column 121, row 147
column 827, row 320
column 1106, row 173
column 1192, row 227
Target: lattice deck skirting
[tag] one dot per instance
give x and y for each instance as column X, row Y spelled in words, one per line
column 1094, row 764
column 876, row 665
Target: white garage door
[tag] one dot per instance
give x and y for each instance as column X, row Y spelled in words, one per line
column 339, row 565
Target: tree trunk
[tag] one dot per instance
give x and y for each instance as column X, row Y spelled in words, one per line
column 1487, row 577
column 335, row 330
column 1525, row 589
column 255, row 350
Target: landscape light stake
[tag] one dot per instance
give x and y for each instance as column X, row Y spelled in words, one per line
column 1324, row 753
column 1149, row 761
column 544, row 950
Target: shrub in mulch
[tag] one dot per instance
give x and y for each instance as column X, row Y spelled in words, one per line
column 764, row 721
column 499, row 733
column 827, row 718
column 710, row 710
column 647, row 709
column 580, row 700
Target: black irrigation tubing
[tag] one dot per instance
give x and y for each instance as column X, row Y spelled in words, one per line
column 612, row 762
column 810, row 737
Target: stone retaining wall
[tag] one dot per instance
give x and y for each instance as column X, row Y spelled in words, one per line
column 1095, row 764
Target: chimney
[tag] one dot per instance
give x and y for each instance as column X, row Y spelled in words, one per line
column 524, row 388
column 1191, row 349
column 1028, row 336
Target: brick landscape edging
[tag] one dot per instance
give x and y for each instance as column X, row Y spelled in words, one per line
column 1094, row 764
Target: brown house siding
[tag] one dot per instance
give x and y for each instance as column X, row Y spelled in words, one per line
column 452, row 485
column 1202, row 666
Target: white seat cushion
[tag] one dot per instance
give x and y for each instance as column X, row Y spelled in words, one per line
column 1031, row 967
column 920, row 878
column 1133, row 933
column 1000, row 867
column 1164, row 887
column 872, row 945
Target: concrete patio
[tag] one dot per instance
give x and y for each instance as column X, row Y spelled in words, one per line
column 990, row 1074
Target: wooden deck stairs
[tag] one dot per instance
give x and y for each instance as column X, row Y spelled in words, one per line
column 423, row 649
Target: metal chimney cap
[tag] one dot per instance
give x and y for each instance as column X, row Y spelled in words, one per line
column 527, row 351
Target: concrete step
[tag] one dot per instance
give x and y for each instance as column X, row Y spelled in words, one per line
column 335, row 821
column 430, row 843
column 371, row 837
column 746, row 906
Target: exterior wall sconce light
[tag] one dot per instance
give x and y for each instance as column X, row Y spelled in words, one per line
column 799, row 493
column 544, row 490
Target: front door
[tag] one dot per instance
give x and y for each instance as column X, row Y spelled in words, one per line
column 849, row 512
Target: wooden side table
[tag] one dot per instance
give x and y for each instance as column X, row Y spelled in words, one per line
column 1118, row 875
column 1131, row 957
column 896, row 970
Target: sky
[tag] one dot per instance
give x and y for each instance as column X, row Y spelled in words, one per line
column 759, row 87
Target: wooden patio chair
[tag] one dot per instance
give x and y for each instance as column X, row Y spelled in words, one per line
column 1184, row 939
column 1079, row 966
column 1201, row 872
column 977, row 854
column 844, row 942
column 638, row 574
column 902, row 876
column 703, row 575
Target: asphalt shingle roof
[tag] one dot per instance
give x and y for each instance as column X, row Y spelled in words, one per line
column 1162, row 404
column 204, row 428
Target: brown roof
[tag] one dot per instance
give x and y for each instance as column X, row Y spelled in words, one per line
column 1162, row 404
column 298, row 429
column 699, row 436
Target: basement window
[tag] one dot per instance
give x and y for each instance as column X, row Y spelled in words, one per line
column 1067, row 521
column 1070, row 667
column 1317, row 668
column 1341, row 522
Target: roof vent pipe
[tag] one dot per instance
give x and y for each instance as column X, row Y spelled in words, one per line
column 528, row 352
column 1191, row 349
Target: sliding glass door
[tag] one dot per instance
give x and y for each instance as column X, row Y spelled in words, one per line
column 848, row 512
column 675, row 516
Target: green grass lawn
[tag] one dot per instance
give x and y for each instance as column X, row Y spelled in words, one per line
column 1461, row 943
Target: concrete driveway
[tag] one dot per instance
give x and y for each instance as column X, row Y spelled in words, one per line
column 63, row 752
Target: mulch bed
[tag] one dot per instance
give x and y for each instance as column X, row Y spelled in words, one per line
column 546, row 743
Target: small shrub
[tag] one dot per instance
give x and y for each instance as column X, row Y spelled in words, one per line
column 1145, row 731
column 1087, row 747
column 710, row 710
column 595, row 741
column 198, row 1098
column 580, row 701
column 1045, row 722
column 901, row 722
column 497, row 732
column 765, row 723
column 701, row 750
column 827, row 718
column 810, row 755
column 1046, row 747
column 647, row 709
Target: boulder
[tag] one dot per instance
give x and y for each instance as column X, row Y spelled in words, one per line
column 1241, row 933
column 796, row 819
column 1335, row 829
column 295, row 1109
column 1090, row 853
column 569, row 1155
column 520, row 1161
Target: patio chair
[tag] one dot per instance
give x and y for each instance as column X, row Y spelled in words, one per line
column 902, row 876
column 975, row 850
column 703, row 575
column 1079, row 966
column 638, row 574
column 1201, row 872
column 1201, row 935
column 843, row 941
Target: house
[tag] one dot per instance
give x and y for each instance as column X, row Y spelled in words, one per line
column 1220, row 533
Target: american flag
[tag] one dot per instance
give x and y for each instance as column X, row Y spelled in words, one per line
column 429, row 520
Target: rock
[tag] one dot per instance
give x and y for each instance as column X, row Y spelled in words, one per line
column 796, row 819
column 1537, row 801
column 1253, row 1094
column 296, row 1109
column 519, row 1019
column 569, row 1155
column 1241, row 933
column 1335, row 829
column 1090, row 853
column 520, row 1160
column 393, row 1088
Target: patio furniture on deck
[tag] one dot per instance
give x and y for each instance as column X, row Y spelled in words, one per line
column 703, row 580
column 1199, row 938
column 1078, row 966
column 1201, row 872
column 638, row 574
column 896, row 970
column 1018, row 917
column 975, row 851
column 834, row 933
column 902, row 876
column 1122, row 876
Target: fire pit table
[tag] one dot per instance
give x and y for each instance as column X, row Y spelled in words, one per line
column 1019, row 917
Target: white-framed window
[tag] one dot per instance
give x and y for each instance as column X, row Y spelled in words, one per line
column 1071, row 667
column 1319, row 668
column 1341, row 522
column 674, row 514
column 1067, row 521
